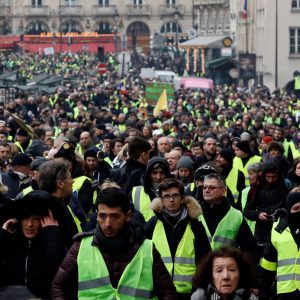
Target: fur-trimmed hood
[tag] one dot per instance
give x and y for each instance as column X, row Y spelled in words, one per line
column 193, row 207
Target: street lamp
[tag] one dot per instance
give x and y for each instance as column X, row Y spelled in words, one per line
column 176, row 16
column 116, row 19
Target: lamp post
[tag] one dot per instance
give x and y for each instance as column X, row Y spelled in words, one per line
column 276, row 44
column 116, row 19
column 176, row 16
column 60, row 28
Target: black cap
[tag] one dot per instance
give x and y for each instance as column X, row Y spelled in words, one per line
column 22, row 132
column 21, row 159
column 244, row 146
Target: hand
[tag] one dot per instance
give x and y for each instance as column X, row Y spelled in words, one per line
column 263, row 216
column 9, row 225
column 48, row 220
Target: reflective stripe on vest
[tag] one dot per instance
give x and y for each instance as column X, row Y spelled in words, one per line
column 183, row 267
column 76, row 220
column 136, row 281
column 244, row 202
column 238, row 164
column 288, row 263
column 20, row 146
column 141, row 202
column 108, row 160
column 227, row 229
column 231, row 182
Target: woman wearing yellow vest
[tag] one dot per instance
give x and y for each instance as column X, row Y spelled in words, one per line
column 177, row 234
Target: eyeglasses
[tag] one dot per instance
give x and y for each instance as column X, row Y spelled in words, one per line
column 212, row 188
column 173, row 196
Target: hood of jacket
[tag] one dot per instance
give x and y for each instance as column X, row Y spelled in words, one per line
column 152, row 163
column 193, row 207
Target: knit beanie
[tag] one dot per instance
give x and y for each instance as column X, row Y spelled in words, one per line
column 186, row 162
column 292, row 199
column 227, row 154
column 244, row 146
column 267, row 139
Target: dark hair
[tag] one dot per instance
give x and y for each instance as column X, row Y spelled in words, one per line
column 169, row 183
column 114, row 197
column 39, row 133
column 50, row 173
column 5, row 144
column 204, row 272
column 114, row 141
column 137, row 146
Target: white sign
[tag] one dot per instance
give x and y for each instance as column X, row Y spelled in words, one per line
column 49, row 51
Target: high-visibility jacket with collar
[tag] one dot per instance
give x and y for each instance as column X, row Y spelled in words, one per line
column 141, row 201
column 183, row 266
column 94, row 282
column 231, row 182
column 287, row 266
column 226, row 231
column 238, row 164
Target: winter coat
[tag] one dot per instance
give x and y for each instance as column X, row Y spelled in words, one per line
column 31, row 263
column 65, row 284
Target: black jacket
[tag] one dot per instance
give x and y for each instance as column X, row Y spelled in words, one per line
column 31, row 263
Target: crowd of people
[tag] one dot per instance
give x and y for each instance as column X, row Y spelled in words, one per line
column 101, row 198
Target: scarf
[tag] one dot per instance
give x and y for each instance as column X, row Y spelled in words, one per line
column 174, row 218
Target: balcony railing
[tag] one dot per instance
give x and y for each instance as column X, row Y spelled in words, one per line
column 138, row 10
column 103, row 11
column 5, row 11
column 168, row 10
column 71, row 10
column 207, row 2
column 34, row 11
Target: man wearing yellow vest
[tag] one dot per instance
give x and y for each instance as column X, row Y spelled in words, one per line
column 177, row 234
column 235, row 179
column 282, row 258
column 244, row 157
column 115, row 261
column 22, row 140
column 224, row 225
column 142, row 195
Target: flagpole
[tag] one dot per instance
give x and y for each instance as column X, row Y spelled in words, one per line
column 276, row 44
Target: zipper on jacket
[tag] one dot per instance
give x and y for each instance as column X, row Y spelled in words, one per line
column 26, row 262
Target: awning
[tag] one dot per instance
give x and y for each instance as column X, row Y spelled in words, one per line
column 217, row 62
column 202, row 41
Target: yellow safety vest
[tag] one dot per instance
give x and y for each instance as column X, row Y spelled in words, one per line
column 76, row 220
column 288, row 261
column 94, row 282
column 182, row 267
column 231, row 182
column 227, row 230
column 238, row 164
column 77, row 185
column 295, row 151
column 20, row 146
column 141, row 201
column 244, row 202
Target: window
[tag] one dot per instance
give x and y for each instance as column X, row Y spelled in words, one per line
column 138, row 2
column 104, row 28
column 171, row 2
column 70, row 2
column 36, row 3
column 170, row 27
column 294, row 41
column 295, row 4
column 104, row 2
